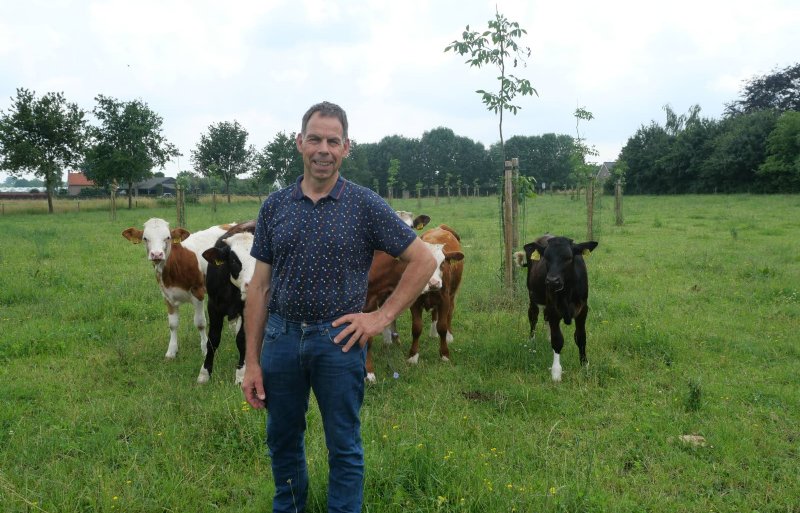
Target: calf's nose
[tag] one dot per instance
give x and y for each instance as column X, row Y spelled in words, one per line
column 553, row 281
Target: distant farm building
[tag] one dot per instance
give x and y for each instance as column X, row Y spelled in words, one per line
column 153, row 186
column 604, row 172
column 76, row 182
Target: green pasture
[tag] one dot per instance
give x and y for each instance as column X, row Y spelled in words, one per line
column 693, row 331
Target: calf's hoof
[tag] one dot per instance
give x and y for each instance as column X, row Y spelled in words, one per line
column 371, row 378
column 555, row 373
column 413, row 360
column 204, row 376
column 239, row 376
column 445, row 359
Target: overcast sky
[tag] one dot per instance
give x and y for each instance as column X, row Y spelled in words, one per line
column 264, row 62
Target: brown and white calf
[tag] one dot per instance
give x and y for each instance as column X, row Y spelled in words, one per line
column 230, row 270
column 558, row 282
column 384, row 275
column 179, row 270
column 440, row 302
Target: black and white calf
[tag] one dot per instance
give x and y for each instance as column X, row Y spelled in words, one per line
column 559, row 282
column 230, row 269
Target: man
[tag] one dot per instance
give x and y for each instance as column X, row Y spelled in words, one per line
column 313, row 246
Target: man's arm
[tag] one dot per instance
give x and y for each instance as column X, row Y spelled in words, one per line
column 255, row 316
column 421, row 266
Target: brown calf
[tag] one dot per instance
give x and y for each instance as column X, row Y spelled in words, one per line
column 441, row 302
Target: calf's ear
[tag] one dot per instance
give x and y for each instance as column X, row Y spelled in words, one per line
column 133, row 234
column 179, row 235
column 454, row 256
column 533, row 251
column 584, row 248
column 214, row 256
column 420, row 222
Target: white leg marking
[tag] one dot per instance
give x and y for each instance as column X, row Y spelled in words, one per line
column 555, row 370
column 172, row 350
column 371, row 378
column 240, row 375
column 433, row 333
column 445, row 359
column 387, row 335
column 449, row 337
column 200, row 323
column 414, row 359
column 204, row 376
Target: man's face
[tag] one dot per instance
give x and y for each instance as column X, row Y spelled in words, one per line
column 323, row 147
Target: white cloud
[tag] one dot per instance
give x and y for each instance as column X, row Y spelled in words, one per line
column 264, row 62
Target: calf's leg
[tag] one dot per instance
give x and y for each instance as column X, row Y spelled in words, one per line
column 369, row 365
column 580, row 333
column 241, row 346
column 200, row 322
column 172, row 319
column 214, row 338
column 416, row 331
column 557, row 343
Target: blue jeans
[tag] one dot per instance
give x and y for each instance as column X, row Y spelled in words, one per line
column 295, row 359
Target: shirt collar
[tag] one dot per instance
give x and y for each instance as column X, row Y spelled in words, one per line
column 336, row 192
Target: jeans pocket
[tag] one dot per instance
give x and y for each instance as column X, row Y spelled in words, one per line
column 332, row 332
column 271, row 334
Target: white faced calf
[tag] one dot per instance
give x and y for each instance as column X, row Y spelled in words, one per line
column 177, row 272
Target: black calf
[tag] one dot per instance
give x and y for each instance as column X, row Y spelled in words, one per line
column 224, row 300
column 557, row 280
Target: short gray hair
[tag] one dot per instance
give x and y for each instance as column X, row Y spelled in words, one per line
column 326, row 109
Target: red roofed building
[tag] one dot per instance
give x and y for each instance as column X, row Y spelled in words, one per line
column 76, row 182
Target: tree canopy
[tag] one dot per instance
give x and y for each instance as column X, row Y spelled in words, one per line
column 779, row 90
column 498, row 47
column 224, row 153
column 279, row 161
column 42, row 136
column 127, row 144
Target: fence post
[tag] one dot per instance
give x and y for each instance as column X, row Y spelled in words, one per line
column 113, row 201
column 590, row 209
column 180, row 206
column 213, row 200
column 508, row 227
column 618, row 202
column 515, row 201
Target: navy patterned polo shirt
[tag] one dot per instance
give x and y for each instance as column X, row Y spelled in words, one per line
column 321, row 253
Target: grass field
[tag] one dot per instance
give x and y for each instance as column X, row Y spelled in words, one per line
column 693, row 331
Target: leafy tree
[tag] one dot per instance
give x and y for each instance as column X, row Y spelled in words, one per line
column 643, row 156
column 12, row 181
column 356, row 166
column 581, row 170
column 223, row 153
column 391, row 180
column 779, row 90
column 127, row 145
column 497, row 46
column 42, row 136
column 738, row 146
column 438, row 154
column 279, row 161
column 782, row 167
column 547, row 157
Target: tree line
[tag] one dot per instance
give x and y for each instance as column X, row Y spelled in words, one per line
column 755, row 147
